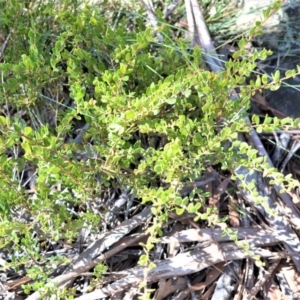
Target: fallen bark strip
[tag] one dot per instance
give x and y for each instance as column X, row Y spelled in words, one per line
column 225, row 284
column 109, row 238
column 4, row 45
column 215, row 235
column 60, row 280
column 266, row 276
column 201, row 36
column 181, row 265
column 259, row 238
column 87, row 259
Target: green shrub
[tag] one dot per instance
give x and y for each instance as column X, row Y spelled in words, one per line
column 155, row 119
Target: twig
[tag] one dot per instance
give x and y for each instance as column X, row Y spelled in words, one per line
column 215, row 234
column 201, row 35
column 3, row 47
column 152, row 18
column 170, row 9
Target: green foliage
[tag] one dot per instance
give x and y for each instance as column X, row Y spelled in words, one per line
column 154, row 116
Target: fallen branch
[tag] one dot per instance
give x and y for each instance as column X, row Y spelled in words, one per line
column 88, row 260
column 194, row 261
column 205, row 235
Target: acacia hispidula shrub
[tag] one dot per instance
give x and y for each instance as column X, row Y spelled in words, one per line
column 153, row 116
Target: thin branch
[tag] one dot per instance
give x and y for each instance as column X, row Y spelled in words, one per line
column 3, row 47
column 171, row 8
column 152, row 18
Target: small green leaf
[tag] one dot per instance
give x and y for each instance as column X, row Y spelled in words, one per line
column 258, row 81
column 276, row 76
column 267, row 12
column 2, row 120
column 178, row 201
column 179, row 211
column 256, row 119
column 242, row 43
column 259, row 129
column 154, row 210
column 290, row 73
column 187, row 93
column 252, row 32
column 264, row 79
column 27, row 131
column 123, row 68
column 26, row 147
column 258, row 23
column 127, row 57
column 171, row 101
column 191, row 208
column 275, row 87
column 236, row 54
column 130, row 115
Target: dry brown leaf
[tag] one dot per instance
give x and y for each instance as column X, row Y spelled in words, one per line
column 213, row 201
column 272, row 290
column 185, row 219
column 263, row 104
column 182, row 24
column 212, row 275
column 169, row 287
column 18, row 282
column 209, row 292
column 292, row 279
column 234, row 219
column 160, row 292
